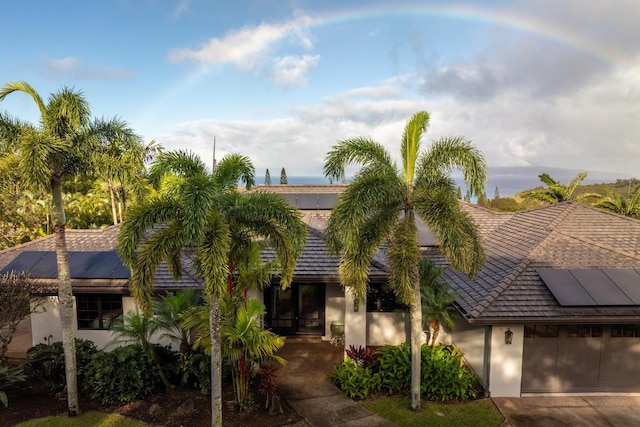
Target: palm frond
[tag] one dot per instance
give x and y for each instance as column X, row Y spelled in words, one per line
column 403, row 256
column 181, row 162
column 234, row 168
column 411, row 142
column 448, row 154
column 355, row 152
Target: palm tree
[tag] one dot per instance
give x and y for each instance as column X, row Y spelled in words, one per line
column 555, row 192
column 120, row 161
column 192, row 216
column 168, row 313
column 437, row 298
column 60, row 146
column 381, row 203
column 616, row 202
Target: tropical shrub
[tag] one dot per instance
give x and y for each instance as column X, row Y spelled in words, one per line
column 196, row 370
column 394, row 364
column 444, row 374
column 355, row 381
column 9, row 376
column 121, row 375
column 46, row 362
column 363, row 356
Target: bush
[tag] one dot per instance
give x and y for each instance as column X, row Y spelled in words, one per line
column 196, row 371
column 120, row 376
column 394, row 365
column 170, row 362
column 46, row 362
column 355, row 381
column 363, row 356
column 444, row 376
column 9, row 376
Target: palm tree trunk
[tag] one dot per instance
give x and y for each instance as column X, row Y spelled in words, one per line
column 216, row 363
column 65, row 299
column 113, row 203
column 416, row 344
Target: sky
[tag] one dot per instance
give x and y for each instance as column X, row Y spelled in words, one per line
column 535, row 83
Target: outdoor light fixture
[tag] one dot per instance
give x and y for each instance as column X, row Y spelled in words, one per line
column 508, row 336
column 356, row 305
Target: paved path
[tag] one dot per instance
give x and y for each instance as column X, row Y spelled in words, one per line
column 303, row 383
column 570, row 411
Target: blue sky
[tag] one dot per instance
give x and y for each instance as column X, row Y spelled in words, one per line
column 531, row 83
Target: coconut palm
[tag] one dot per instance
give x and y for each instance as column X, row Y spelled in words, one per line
column 192, row 216
column 555, row 191
column 381, row 204
column 437, row 298
column 60, row 146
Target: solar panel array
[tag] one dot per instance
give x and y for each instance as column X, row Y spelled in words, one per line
column 593, row 287
column 82, row 265
column 305, row 201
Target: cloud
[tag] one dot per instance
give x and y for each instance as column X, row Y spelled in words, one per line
column 292, row 71
column 73, row 68
column 250, row 49
column 181, row 8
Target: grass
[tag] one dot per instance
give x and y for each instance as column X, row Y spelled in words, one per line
column 97, row 419
column 473, row 414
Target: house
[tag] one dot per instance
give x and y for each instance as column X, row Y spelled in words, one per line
column 556, row 308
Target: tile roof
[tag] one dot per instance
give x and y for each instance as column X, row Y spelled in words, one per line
column 566, row 235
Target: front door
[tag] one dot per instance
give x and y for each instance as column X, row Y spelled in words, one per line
column 298, row 310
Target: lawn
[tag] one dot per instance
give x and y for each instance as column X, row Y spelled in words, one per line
column 89, row 419
column 472, row 414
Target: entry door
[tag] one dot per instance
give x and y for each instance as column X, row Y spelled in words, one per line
column 296, row 310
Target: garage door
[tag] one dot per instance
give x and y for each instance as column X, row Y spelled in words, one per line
column 581, row 358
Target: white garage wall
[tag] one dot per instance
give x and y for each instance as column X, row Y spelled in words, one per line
column 505, row 369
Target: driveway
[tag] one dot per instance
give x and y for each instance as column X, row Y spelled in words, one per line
column 573, row 411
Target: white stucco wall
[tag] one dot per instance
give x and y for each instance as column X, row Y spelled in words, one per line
column 505, row 368
column 387, row 328
column 471, row 341
column 46, row 324
column 355, row 323
column 334, row 307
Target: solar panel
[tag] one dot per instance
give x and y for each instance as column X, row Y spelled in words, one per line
column 628, row 281
column 602, row 289
column 326, row 201
column 565, row 287
column 82, row 265
column 307, row 201
column 593, row 287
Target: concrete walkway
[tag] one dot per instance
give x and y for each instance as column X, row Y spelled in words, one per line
column 570, row 411
column 304, row 385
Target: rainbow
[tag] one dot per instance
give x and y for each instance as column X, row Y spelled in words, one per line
column 497, row 17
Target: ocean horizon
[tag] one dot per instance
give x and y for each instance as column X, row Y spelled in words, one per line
column 508, row 180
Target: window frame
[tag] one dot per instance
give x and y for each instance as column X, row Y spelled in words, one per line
column 103, row 308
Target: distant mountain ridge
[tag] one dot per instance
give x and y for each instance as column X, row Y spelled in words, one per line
column 509, row 179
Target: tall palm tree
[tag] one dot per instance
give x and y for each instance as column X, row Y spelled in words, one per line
column 192, row 216
column 437, row 298
column 381, row 203
column 60, row 146
column 555, row 191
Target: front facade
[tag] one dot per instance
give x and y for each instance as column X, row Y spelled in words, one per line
column 556, row 308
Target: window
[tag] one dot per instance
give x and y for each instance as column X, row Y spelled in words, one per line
column 98, row 311
column 584, row 331
column 381, row 298
column 541, row 331
column 625, row 331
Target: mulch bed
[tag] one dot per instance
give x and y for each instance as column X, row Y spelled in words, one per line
column 27, row 401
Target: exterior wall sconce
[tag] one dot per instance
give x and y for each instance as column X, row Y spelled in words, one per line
column 508, row 336
column 356, row 305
